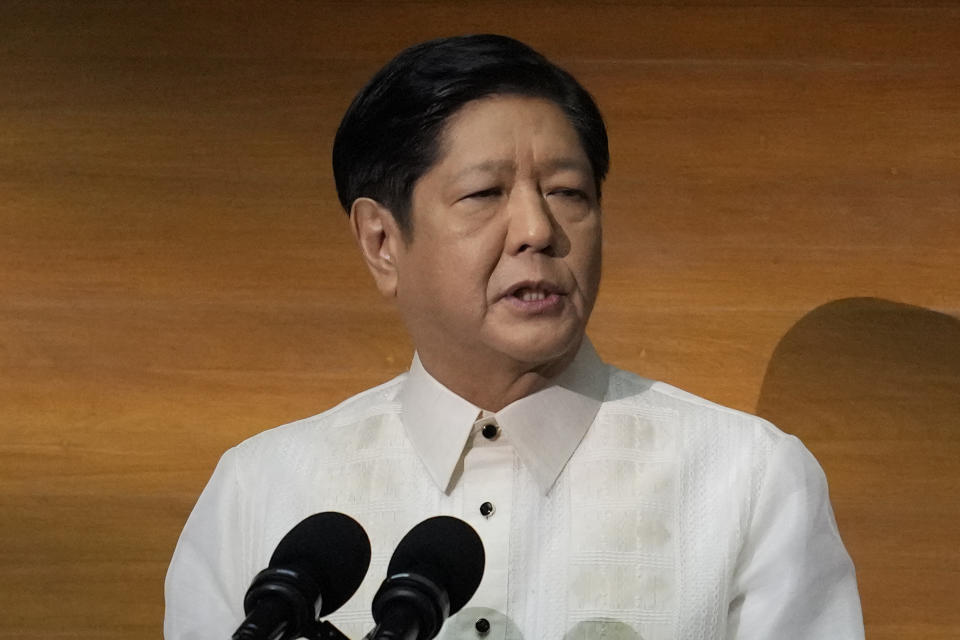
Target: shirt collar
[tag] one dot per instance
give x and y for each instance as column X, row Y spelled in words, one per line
column 545, row 427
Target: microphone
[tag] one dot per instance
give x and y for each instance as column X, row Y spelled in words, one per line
column 314, row 570
column 434, row 571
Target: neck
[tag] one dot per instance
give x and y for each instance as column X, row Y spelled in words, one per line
column 495, row 382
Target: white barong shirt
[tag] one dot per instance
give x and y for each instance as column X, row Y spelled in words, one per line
column 619, row 509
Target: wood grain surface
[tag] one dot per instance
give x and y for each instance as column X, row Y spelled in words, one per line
column 782, row 225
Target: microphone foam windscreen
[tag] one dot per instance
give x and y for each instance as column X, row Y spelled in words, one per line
column 333, row 549
column 446, row 550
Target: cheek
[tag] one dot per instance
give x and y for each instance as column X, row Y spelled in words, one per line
column 456, row 269
column 590, row 276
column 588, row 255
column 455, row 283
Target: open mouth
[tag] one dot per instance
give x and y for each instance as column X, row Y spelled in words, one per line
column 533, row 291
column 529, row 295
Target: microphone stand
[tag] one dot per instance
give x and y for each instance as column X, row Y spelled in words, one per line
column 323, row 630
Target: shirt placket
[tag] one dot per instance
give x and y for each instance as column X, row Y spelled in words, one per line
column 487, row 481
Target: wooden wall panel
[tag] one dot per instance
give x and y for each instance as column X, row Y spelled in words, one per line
column 175, row 273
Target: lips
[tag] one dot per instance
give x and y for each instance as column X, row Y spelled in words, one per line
column 530, row 290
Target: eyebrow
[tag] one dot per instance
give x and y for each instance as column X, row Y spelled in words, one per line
column 567, row 163
column 496, row 166
column 488, row 166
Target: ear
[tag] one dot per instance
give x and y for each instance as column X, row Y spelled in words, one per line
column 380, row 240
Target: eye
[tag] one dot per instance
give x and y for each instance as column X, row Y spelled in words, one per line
column 572, row 194
column 492, row 192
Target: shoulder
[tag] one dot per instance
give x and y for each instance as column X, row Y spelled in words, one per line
column 727, row 463
column 697, row 416
column 714, row 445
column 322, row 431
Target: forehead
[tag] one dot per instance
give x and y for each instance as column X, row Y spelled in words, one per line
column 521, row 129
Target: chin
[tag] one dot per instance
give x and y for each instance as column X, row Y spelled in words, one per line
column 541, row 349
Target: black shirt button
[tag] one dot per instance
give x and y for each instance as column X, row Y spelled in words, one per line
column 490, row 431
column 482, row 625
column 485, row 510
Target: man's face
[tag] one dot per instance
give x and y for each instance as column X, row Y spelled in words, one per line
column 504, row 261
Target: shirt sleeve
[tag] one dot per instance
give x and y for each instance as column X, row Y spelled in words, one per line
column 794, row 580
column 203, row 595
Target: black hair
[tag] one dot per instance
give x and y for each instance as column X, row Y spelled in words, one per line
column 390, row 134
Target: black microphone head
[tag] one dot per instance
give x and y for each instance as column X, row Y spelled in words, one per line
column 333, row 550
column 446, row 550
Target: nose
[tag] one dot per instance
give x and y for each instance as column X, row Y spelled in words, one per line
column 532, row 226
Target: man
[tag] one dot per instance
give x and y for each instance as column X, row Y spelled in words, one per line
column 609, row 506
